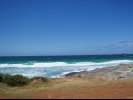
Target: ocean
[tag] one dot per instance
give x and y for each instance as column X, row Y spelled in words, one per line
column 58, row 66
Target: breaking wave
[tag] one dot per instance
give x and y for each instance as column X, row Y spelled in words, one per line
column 64, row 64
column 56, row 69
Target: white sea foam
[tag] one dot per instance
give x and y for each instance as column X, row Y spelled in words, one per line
column 56, row 69
column 64, row 64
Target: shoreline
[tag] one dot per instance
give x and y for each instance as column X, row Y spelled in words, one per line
column 116, row 72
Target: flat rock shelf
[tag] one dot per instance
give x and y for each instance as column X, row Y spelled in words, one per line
column 121, row 71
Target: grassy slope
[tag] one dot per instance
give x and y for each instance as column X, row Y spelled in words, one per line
column 71, row 88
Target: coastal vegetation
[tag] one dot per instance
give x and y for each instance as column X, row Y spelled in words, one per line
column 18, row 80
column 43, row 79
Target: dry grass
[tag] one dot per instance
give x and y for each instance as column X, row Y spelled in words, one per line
column 74, row 88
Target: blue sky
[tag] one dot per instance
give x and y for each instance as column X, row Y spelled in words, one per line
column 65, row 27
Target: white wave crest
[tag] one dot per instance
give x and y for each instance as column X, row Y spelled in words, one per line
column 65, row 64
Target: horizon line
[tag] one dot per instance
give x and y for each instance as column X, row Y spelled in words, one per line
column 65, row 55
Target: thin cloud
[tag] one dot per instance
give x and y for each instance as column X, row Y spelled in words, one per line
column 120, row 47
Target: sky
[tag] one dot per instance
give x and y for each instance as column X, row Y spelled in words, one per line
column 65, row 27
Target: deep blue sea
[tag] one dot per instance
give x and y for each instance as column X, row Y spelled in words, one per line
column 58, row 66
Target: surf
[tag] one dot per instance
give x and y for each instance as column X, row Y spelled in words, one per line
column 56, row 69
column 64, row 64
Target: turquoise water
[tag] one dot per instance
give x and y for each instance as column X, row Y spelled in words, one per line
column 58, row 66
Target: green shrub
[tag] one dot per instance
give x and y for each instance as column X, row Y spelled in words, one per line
column 1, row 77
column 40, row 78
column 14, row 80
column 7, row 78
column 18, row 80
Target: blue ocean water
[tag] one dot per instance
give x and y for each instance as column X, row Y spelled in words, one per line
column 58, row 66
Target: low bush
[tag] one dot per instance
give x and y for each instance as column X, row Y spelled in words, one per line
column 19, row 80
column 14, row 80
column 7, row 78
column 44, row 79
column 1, row 77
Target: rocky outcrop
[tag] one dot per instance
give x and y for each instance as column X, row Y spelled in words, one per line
column 109, row 73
